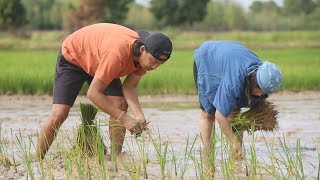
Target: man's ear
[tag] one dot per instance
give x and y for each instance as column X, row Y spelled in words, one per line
column 142, row 48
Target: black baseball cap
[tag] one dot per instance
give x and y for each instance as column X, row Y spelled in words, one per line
column 157, row 44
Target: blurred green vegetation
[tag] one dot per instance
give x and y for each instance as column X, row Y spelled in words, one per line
column 27, row 65
column 182, row 40
column 27, row 71
column 32, row 71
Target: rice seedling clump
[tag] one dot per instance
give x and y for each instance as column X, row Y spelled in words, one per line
column 89, row 138
column 261, row 117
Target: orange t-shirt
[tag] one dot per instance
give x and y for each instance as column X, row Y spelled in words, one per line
column 102, row 50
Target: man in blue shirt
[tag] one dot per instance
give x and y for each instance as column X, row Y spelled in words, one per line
column 228, row 77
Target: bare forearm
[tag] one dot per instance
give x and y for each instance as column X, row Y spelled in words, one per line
column 100, row 100
column 96, row 95
column 108, row 105
column 131, row 97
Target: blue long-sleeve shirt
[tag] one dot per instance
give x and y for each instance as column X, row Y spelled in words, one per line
column 222, row 67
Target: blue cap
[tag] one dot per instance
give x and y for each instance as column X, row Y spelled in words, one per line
column 269, row 77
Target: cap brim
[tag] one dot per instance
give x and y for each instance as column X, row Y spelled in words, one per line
column 143, row 34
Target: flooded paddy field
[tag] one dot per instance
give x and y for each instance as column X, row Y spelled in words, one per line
column 173, row 122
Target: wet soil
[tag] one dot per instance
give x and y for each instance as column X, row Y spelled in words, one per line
column 175, row 117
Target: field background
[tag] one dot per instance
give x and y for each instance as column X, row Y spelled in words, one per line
column 27, row 66
column 288, row 34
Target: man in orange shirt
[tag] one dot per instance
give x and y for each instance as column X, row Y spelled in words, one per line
column 100, row 54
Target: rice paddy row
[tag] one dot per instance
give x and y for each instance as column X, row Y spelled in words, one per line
column 182, row 40
column 154, row 156
column 32, row 71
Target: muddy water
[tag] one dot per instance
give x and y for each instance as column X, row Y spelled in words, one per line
column 176, row 119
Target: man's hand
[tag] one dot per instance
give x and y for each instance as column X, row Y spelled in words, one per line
column 143, row 123
column 132, row 125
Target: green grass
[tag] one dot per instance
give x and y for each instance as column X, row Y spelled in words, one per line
column 182, row 40
column 27, row 72
column 175, row 76
column 256, row 40
column 32, row 71
column 300, row 67
column 37, row 40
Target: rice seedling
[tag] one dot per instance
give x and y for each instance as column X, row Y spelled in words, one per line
column 154, row 156
column 161, row 150
column 132, row 167
column 224, row 166
column 25, row 153
column 89, row 137
column 286, row 158
column 283, row 161
column 13, row 154
column 211, row 157
column 270, row 166
column 227, row 168
column 66, row 157
column 261, row 117
column 76, row 163
column 3, row 158
column 292, row 160
column 199, row 166
column 318, row 174
column 252, row 171
column 143, row 152
column 299, row 165
column 189, row 147
column 226, row 161
column 206, row 164
column 80, row 169
column 174, row 161
column 136, row 166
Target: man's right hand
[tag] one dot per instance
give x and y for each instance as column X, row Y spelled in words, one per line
column 131, row 124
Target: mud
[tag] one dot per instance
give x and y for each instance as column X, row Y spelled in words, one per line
column 175, row 117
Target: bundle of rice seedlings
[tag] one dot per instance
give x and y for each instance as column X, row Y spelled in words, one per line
column 89, row 138
column 261, row 117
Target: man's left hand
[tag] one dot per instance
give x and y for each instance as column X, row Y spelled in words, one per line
column 144, row 123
